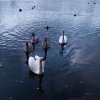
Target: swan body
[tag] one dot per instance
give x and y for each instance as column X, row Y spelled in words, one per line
column 63, row 39
column 36, row 64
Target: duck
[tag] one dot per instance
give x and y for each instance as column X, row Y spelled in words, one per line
column 47, row 27
column 34, row 39
column 33, row 7
column 75, row 15
column 94, row 3
column 63, row 38
column 45, row 45
column 20, row 10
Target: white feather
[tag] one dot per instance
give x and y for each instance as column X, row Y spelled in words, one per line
column 34, row 64
column 61, row 39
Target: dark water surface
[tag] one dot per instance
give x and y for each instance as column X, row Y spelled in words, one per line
column 75, row 75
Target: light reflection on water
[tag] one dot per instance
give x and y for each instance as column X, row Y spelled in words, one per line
column 67, row 76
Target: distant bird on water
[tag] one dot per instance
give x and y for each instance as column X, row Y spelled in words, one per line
column 74, row 14
column 47, row 27
column 94, row 3
column 20, row 10
column 33, row 7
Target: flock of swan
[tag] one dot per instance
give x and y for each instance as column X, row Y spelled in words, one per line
column 37, row 63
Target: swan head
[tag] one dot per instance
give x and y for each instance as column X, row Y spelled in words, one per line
column 63, row 32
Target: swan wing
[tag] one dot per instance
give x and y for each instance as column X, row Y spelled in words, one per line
column 43, row 63
column 33, row 65
column 60, row 39
column 65, row 39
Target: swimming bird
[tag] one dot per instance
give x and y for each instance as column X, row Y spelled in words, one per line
column 75, row 15
column 20, row 10
column 47, row 27
column 63, row 38
column 33, row 7
column 37, row 63
column 28, row 48
column 45, row 45
column 94, row 3
column 34, row 39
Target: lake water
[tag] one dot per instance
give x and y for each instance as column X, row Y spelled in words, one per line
column 75, row 75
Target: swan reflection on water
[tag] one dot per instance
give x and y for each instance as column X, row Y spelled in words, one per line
column 32, row 75
column 62, row 49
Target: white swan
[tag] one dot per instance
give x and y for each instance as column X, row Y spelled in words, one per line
column 63, row 38
column 36, row 64
column 34, row 39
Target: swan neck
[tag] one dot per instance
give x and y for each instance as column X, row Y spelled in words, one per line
column 27, row 48
column 45, row 55
column 40, row 66
column 63, row 35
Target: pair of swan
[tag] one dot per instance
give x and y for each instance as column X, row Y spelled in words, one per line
column 37, row 63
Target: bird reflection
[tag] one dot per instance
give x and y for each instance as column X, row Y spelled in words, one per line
column 32, row 75
column 33, row 47
column 62, row 48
